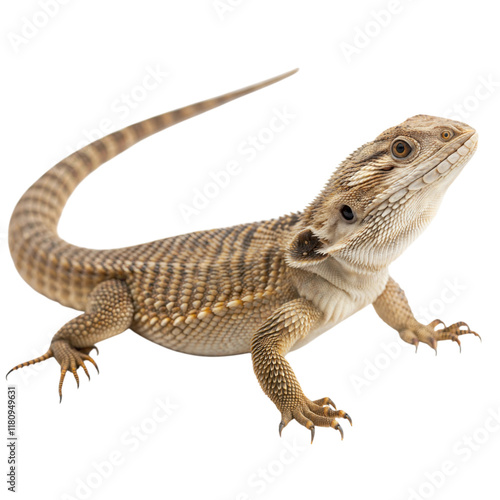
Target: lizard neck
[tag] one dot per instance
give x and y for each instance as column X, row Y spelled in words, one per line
column 339, row 289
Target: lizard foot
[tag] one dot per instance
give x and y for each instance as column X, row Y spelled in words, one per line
column 67, row 356
column 430, row 335
column 314, row 413
column 71, row 358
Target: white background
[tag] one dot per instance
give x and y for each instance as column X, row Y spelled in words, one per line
column 411, row 413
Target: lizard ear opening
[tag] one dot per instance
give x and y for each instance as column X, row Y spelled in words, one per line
column 305, row 248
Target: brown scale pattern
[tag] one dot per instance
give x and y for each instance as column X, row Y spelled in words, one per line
column 225, row 287
column 58, row 269
column 205, row 292
column 287, row 325
column 218, row 292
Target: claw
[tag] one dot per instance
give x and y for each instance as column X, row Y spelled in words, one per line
column 86, row 357
column 415, row 342
column 457, row 340
column 282, row 426
column 339, row 428
column 477, row 335
column 85, row 370
column 88, row 350
column 312, row 434
column 347, row 417
column 61, row 380
column 433, row 344
column 325, row 402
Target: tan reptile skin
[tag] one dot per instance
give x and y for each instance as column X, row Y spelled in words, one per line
column 394, row 309
column 265, row 287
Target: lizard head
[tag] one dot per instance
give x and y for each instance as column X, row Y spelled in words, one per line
column 384, row 194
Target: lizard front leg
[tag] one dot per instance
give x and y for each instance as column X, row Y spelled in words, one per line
column 109, row 312
column 271, row 342
column 392, row 306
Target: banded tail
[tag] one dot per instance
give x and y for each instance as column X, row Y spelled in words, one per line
column 53, row 267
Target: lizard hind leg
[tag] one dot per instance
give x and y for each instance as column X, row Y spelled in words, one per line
column 109, row 312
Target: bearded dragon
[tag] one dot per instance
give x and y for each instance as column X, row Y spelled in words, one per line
column 263, row 288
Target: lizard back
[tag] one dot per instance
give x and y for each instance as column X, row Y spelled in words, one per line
column 68, row 273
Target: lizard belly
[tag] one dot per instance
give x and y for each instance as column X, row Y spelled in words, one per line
column 223, row 335
column 226, row 333
column 338, row 294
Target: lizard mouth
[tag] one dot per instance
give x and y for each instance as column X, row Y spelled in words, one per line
column 450, row 160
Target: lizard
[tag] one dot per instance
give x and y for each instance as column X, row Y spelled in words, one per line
column 263, row 288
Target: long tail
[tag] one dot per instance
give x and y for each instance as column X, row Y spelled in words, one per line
column 46, row 262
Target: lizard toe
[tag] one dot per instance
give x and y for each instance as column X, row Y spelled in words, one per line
column 70, row 358
column 49, row 354
column 431, row 335
column 325, row 402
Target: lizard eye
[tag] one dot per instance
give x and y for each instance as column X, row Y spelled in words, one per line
column 446, row 135
column 401, row 149
column 347, row 213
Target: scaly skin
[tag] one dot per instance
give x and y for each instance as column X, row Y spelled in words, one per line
column 266, row 287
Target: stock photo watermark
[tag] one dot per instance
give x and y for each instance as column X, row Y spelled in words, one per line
column 32, row 25
column 224, row 7
column 373, row 368
column 484, row 89
column 266, row 475
column 462, row 451
column 246, row 152
column 130, row 441
column 12, row 437
column 365, row 33
column 452, row 289
column 123, row 105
